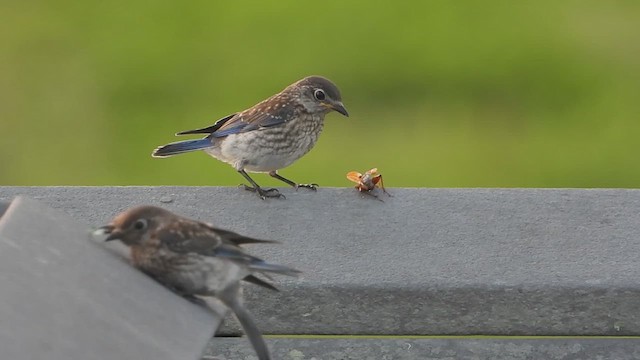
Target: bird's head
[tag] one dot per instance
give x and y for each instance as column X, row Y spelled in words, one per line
column 135, row 225
column 320, row 95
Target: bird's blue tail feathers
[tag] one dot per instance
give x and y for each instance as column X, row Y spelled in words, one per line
column 181, row 147
column 262, row 266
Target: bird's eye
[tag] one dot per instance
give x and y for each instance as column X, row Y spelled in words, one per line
column 319, row 94
column 140, row 224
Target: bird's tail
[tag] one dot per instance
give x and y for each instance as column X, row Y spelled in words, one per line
column 257, row 281
column 262, row 266
column 231, row 298
column 253, row 263
column 181, row 147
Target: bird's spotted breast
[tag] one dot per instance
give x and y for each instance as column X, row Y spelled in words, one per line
column 274, row 148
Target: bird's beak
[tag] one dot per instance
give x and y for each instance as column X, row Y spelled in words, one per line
column 339, row 107
column 108, row 230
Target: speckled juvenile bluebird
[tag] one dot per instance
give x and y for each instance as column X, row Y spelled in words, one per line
column 194, row 259
column 269, row 136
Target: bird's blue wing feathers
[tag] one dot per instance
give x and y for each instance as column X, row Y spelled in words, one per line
column 239, row 123
column 256, row 118
column 242, row 125
column 254, row 263
column 208, row 129
column 271, row 112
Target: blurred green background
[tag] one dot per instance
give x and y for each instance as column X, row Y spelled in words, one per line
column 441, row 93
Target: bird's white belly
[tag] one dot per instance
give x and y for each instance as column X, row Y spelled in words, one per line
column 207, row 275
column 245, row 151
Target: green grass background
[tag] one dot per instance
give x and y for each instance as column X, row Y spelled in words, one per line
column 441, row 93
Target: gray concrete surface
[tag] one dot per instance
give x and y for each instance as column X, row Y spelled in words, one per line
column 65, row 297
column 3, row 207
column 433, row 349
column 426, row 261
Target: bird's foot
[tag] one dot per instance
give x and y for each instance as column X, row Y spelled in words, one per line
column 313, row 187
column 264, row 193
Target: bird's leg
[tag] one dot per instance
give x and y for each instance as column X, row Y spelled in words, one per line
column 263, row 193
column 231, row 298
column 275, row 174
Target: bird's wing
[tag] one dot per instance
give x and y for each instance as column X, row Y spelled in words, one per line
column 258, row 117
column 209, row 129
column 263, row 283
column 271, row 112
column 230, row 248
column 185, row 236
column 237, row 238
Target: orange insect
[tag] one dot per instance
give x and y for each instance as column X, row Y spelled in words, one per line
column 368, row 181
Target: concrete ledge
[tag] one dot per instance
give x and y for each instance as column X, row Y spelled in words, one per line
column 3, row 207
column 425, row 262
column 65, row 297
column 436, row 349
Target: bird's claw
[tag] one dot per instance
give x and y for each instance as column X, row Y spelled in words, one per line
column 264, row 193
column 313, row 186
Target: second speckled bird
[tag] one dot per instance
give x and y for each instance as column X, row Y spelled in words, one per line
column 270, row 135
column 195, row 259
